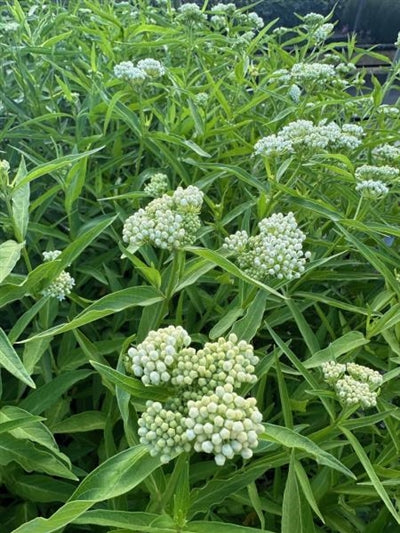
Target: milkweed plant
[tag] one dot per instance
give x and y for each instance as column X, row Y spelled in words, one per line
column 199, row 272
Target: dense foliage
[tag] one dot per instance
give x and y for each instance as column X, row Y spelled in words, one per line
column 199, row 274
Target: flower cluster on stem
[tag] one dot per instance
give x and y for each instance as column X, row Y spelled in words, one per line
column 204, row 412
column 168, row 222
column 63, row 284
column 354, row 384
column 277, row 251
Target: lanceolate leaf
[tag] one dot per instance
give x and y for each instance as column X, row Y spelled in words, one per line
column 10, row 361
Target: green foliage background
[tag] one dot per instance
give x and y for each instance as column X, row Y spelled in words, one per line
column 81, row 145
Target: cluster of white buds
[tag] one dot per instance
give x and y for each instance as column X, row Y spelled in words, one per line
column 252, row 19
column 224, row 424
column 383, row 173
column 201, row 99
column 156, row 359
column 312, row 20
column 364, row 374
column 294, row 93
column 387, row 152
column 321, row 33
column 277, row 251
column 62, row 285
column 332, row 371
column 137, row 75
column 372, row 189
column 190, row 12
column 313, row 74
column 158, row 184
column 226, row 9
column 167, row 222
column 352, row 392
column 226, row 361
column 205, row 413
column 163, row 431
column 388, row 110
column 303, row 134
column 357, row 386
column 397, row 42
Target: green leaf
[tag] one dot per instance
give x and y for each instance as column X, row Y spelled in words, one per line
column 118, row 475
column 369, row 469
column 247, row 327
column 31, row 457
column 20, row 203
column 108, row 305
column 48, row 394
column 306, row 488
column 291, row 439
column 48, row 168
column 10, row 252
column 132, row 385
column 41, row 489
column 226, row 322
column 81, row 422
column 10, row 361
column 217, row 527
column 296, row 517
column 349, row 341
column 227, row 266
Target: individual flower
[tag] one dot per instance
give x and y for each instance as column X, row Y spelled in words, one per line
column 62, row 285
column 223, row 424
column 168, row 222
column 158, row 184
column 277, row 251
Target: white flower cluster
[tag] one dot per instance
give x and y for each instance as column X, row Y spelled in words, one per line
column 323, row 32
column 163, row 431
column 277, row 251
column 397, row 42
column 358, row 386
column 294, row 93
column 387, row 152
column 224, row 424
column 372, row 172
column 165, row 356
column 158, row 184
column 191, row 12
column 388, row 110
column 137, row 75
column 313, row 19
column 303, row 134
column 167, row 222
column 61, row 286
column 317, row 27
column 372, row 188
column 206, row 414
column 252, row 19
column 332, row 371
column 201, row 99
